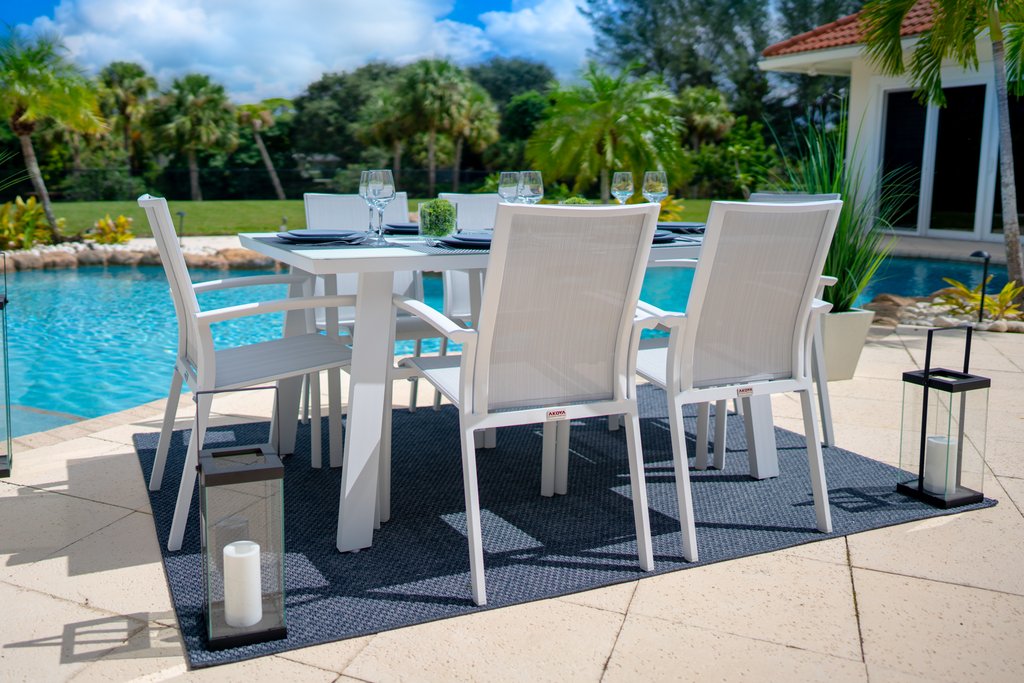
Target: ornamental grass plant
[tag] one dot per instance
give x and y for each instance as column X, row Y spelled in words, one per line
column 872, row 203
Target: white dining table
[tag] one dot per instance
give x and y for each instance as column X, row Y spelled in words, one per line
column 372, row 356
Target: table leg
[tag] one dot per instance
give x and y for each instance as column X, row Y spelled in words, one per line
column 333, row 379
column 761, row 450
column 371, row 359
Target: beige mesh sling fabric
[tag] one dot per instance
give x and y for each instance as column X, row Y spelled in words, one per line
column 747, row 326
column 555, row 337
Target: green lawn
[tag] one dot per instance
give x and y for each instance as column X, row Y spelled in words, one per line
column 234, row 216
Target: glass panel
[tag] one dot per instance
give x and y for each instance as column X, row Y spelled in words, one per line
column 903, row 149
column 957, row 156
column 1017, row 134
column 5, row 387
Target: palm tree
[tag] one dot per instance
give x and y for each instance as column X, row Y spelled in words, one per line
column 39, row 86
column 434, row 91
column 956, row 26
column 124, row 94
column 258, row 117
column 475, row 124
column 606, row 123
column 195, row 114
column 384, row 121
column 705, row 114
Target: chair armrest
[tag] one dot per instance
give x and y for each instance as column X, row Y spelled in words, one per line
column 443, row 324
column 827, row 280
column 664, row 319
column 251, row 281
column 819, row 307
column 219, row 315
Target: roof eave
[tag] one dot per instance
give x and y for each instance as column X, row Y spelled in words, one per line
column 837, row 61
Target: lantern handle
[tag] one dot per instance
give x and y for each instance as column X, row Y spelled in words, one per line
column 967, row 347
column 277, row 409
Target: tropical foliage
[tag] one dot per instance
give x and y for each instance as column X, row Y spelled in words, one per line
column 40, row 86
column 610, row 121
column 109, row 230
column 23, row 224
column 963, row 300
column 953, row 35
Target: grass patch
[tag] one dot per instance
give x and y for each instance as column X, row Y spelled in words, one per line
column 230, row 217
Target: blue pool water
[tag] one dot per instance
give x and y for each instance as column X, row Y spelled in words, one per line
column 92, row 341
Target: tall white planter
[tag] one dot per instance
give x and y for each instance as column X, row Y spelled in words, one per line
column 843, row 335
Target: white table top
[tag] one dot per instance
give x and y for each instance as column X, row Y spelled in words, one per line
column 326, row 260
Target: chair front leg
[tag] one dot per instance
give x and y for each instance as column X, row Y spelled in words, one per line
column 188, row 473
column 822, row 512
column 473, row 531
column 721, row 423
column 638, row 488
column 156, row 478
column 418, row 351
column 437, row 392
column 684, row 495
column 703, row 415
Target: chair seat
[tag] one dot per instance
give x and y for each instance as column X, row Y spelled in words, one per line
column 441, row 371
column 272, row 360
column 651, row 364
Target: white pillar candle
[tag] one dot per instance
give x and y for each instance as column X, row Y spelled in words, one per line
column 940, row 466
column 243, row 595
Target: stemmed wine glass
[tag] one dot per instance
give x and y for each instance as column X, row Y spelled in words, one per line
column 622, row 186
column 380, row 190
column 531, row 187
column 364, row 179
column 508, row 186
column 655, row 186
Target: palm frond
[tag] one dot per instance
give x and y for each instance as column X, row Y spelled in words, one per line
column 881, row 21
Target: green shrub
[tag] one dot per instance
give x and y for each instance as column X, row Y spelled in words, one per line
column 112, row 231
column 23, row 224
column 576, row 200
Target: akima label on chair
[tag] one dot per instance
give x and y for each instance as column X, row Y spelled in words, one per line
column 744, row 392
column 559, row 414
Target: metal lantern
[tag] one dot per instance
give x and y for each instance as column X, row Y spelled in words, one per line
column 942, row 443
column 242, row 519
column 6, row 445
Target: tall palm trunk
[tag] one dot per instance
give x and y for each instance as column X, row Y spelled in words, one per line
column 269, row 164
column 456, row 163
column 193, row 176
column 431, row 162
column 1008, row 187
column 32, row 164
column 606, row 189
column 128, row 142
column 396, row 152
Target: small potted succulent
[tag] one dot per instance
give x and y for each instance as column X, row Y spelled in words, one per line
column 438, row 219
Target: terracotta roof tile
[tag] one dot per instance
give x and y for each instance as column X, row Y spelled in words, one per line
column 846, row 31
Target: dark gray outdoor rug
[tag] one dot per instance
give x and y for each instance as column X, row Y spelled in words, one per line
column 418, row 567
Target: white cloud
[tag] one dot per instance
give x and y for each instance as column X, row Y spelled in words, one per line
column 270, row 48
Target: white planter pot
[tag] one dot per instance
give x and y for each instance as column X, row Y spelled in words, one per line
column 843, row 335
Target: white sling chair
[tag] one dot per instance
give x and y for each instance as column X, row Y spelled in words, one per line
column 555, row 341
column 202, row 368
column 331, row 211
column 476, row 211
column 747, row 327
column 819, row 372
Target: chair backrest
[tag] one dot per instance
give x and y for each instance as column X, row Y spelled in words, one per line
column 339, row 211
column 752, row 291
column 558, row 307
column 457, row 302
column 191, row 351
column 476, row 211
column 790, row 197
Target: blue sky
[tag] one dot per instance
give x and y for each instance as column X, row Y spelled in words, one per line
column 274, row 48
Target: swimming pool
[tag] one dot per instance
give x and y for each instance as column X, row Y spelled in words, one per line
column 91, row 341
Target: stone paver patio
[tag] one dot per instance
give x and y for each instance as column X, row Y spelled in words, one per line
column 84, row 597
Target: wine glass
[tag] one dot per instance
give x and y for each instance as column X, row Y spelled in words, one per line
column 364, row 178
column 531, row 187
column 655, row 186
column 380, row 190
column 508, row 186
column 622, row 186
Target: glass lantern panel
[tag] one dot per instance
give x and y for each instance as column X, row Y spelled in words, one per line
column 243, row 532
column 6, row 447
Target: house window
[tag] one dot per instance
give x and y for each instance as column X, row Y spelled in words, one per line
column 957, row 159
column 903, row 153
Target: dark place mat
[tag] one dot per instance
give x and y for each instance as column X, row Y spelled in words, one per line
column 401, row 228
column 683, row 227
column 535, row 547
